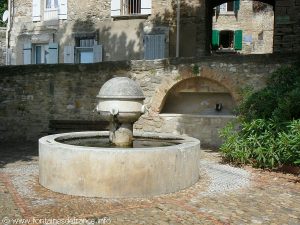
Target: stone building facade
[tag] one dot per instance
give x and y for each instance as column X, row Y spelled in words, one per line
column 2, row 46
column 244, row 26
column 70, row 31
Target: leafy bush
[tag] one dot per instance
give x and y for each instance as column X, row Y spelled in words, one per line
column 280, row 100
column 269, row 132
column 262, row 143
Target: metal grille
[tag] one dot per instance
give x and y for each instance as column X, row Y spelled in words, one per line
column 86, row 42
column 131, row 7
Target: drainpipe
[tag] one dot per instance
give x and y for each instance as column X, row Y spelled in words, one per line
column 178, row 28
column 8, row 28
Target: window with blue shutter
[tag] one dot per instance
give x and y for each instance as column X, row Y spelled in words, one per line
column 69, row 54
column 52, row 53
column 97, row 50
column 27, row 53
column 154, row 46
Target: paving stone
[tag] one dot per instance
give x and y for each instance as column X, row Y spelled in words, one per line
column 223, row 195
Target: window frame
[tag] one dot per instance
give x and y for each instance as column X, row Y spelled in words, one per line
column 225, row 11
column 51, row 13
column 51, row 8
column 44, row 48
column 79, row 48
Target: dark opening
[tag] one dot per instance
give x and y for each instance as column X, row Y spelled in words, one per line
column 226, row 39
column 230, row 6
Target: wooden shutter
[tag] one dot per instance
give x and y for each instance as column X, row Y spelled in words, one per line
column 215, row 39
column 62, row 9
column 238, row 40
column 69, row 56
column 36, row 10
column 146, row 6
column 217, row 10
column 154, row 46
column 115, row 8
column 53, row 54
column 223, row 8
column 97, row 50
column 236, row 5
column 27, row 53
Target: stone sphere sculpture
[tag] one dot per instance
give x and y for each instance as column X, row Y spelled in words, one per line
column 121, row 103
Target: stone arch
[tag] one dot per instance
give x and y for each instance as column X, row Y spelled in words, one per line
column 215, row 76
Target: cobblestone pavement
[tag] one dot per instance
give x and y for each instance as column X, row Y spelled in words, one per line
column 223, row 195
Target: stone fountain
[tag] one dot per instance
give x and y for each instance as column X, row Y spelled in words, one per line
column 118, row 164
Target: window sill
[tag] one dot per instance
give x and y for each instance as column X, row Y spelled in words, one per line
column 230, row 13
column 130, row 17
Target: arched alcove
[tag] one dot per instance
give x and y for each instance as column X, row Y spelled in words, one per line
column 198, row 96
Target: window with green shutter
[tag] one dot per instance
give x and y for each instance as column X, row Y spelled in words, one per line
column 236, row 5
column 215, row 39
column 238, row 40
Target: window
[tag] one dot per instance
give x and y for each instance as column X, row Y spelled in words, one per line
column 226, row 7
column 232, row 6
column 226, row 39
column 84, row 50
column 52, row 9
column 154, row 46
column 40, row 53
column 51, row 4
column 130, row 7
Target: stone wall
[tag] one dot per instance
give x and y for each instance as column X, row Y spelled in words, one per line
column 2, row 46
column 32, row 95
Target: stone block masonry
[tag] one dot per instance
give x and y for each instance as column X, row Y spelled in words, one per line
column 32, row 95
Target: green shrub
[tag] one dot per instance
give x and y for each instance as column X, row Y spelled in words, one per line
column 262, row 143
column 269, row 132
column 280, row 100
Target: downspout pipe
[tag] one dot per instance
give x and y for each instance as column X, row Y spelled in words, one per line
column 8, row 29
column 178, row 29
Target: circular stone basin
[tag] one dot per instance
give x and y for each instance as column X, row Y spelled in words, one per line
column 118, row 172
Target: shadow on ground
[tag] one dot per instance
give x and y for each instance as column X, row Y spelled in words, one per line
column 11, row 152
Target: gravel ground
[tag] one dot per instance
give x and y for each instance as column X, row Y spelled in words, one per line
column 224, row 178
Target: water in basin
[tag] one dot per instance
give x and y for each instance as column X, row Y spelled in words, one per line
column 104, row 142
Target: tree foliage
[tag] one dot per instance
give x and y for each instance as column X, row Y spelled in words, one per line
column 3, row 7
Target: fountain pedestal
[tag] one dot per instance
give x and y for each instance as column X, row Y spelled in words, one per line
column 121, row 103
column 122, row 136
